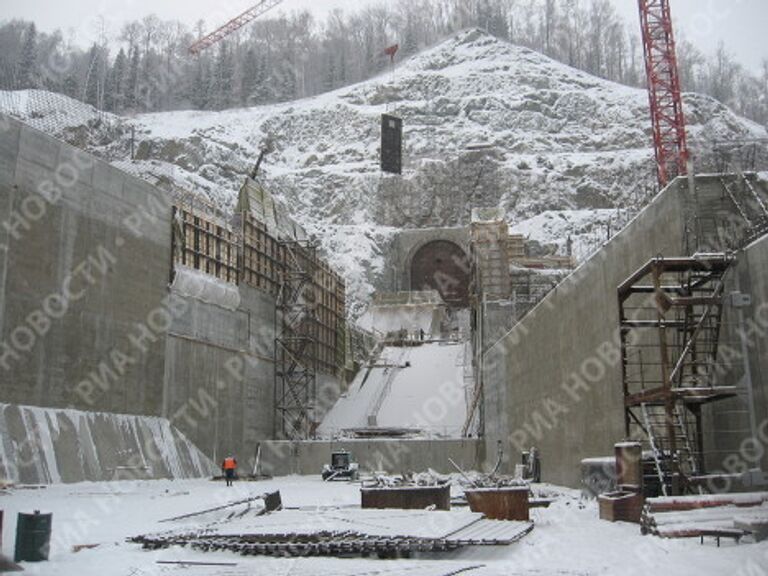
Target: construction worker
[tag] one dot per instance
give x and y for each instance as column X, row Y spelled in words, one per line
column 229, row 466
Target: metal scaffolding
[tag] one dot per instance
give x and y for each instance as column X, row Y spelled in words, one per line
column 671, row 317
column 296, row 344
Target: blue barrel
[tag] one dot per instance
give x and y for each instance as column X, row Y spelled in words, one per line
column 33, row 537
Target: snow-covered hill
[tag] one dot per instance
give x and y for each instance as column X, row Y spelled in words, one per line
column 486, row 124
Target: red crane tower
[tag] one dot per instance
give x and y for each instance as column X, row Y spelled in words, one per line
column 667, row 116
column 233, row 25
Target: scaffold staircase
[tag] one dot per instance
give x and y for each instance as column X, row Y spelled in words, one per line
column 671, row 464
column 671, row 316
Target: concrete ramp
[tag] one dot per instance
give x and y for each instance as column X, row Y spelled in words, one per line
column 50, row 446
column 419, row 387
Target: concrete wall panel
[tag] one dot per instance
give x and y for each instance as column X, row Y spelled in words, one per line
column 391, row 456
column 525, row 402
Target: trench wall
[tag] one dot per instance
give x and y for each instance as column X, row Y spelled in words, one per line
column 89, row 320
column 554, row 380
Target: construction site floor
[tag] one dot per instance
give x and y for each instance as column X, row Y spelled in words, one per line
column 96, row 519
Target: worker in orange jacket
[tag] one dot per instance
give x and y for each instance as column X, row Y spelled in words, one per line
column 229, row 466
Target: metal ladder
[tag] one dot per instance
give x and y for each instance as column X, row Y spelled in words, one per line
column 386, row 388
column 657, row 456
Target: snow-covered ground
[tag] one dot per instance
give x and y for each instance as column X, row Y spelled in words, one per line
column 568, row 538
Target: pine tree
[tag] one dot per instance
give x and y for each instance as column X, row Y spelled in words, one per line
column 115, row 96
column 199, row 89
column 223, row 78
column 28, row 74
column 132, row 86
column 71, row 86
column 91, row 89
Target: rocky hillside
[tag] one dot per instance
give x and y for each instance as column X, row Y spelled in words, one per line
column 486, row 124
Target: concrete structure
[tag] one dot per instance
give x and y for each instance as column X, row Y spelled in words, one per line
column 554, row 380
column 407, row 244
column 745, row 350
column 87, row 317
column 389, row 455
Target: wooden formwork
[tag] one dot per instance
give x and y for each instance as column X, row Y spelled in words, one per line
column 251, row 254
column 203, row 244
column 263, row 257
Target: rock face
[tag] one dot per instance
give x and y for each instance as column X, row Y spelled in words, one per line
column 486, row 124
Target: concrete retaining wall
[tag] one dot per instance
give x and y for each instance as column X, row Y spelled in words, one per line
column 87, row 317
column 744, row 350
column 391, row 456
column 569, row 342
column 554, row 381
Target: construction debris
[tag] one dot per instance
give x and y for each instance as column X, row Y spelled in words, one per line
column 188, row 563
column 727, row 516
column 272, row 502
column 507, row 503
column 626, row 503
column 347, row 543
column 621, row 506
column 407, row 497
column 334, row 532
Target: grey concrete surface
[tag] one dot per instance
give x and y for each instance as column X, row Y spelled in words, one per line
column 87, row 317
column 554, row 380
column 528, row 373
column 397, row 270
column 732, row 424
column 391, row 456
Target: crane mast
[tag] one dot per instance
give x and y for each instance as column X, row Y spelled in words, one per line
column 669, row 135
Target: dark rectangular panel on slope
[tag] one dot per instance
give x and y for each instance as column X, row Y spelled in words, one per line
column 391, row 144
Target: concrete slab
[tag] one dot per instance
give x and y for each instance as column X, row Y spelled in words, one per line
column 39, row 148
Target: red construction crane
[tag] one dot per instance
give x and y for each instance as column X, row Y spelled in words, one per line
column 667, row 116
column 233, row 25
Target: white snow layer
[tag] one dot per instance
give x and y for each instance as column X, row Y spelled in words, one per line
column 49, row 446
column 569, row 539
column 421, row 388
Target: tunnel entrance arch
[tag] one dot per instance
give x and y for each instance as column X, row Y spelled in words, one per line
column 443, row 266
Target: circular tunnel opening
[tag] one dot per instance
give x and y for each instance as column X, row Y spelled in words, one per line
column 443, row 266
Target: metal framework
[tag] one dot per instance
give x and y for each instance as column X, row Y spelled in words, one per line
column 670, row 317
column 296, row 344
column 233, row 25
column 666, row 103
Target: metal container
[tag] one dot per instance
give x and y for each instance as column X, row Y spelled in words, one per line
column 621, row 506
column 629, row 466
column 33, row 537
column 509, row 503
column 408, row 497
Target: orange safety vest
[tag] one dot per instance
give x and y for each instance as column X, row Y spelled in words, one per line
column 229, row 464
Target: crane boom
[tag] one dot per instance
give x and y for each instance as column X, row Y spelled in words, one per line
column 233, row 25
column 669, row 135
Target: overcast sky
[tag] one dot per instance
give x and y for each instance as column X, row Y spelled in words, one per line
column 739, row 23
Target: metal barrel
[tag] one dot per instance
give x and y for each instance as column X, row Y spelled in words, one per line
column 33, row 537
